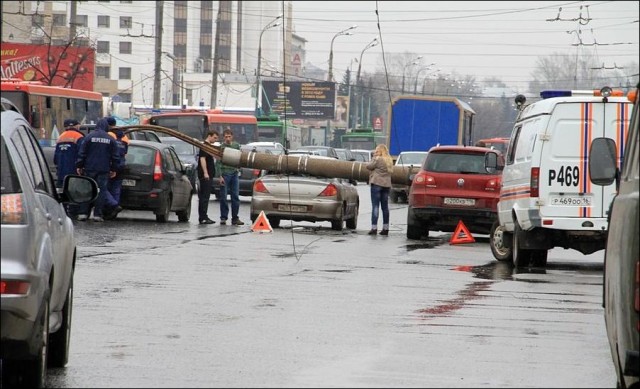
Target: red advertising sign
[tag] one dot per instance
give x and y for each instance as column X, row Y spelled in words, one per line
column 71, row 67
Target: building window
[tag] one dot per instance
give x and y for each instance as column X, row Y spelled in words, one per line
column 180, row 51
column 59, row 20
column 125, row 97
column 124, row 73
column 82, row 42
column 38, row 20
column 58, row 42
column 102, row 47
column 103, row 72
column 180, row 25
column 103, row 21
column 125, row 47
column 81, row 21
column 126, row 22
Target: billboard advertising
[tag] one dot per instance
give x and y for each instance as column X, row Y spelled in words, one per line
column 71, row 67
column 300, row 99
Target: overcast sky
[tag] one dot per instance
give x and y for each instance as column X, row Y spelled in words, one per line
column 499, row 39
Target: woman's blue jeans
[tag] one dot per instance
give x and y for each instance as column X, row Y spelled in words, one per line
column 379, row 199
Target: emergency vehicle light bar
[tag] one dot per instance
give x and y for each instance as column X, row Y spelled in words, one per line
column 605, row 92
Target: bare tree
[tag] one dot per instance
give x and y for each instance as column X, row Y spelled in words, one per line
column 67, row 62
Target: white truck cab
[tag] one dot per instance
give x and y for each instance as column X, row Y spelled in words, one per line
column 547, row 199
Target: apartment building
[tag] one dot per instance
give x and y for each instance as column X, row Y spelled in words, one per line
column 125, row 36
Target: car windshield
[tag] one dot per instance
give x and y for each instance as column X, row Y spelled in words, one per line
column 445, row 162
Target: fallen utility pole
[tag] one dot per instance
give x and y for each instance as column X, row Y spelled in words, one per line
column 282, row 164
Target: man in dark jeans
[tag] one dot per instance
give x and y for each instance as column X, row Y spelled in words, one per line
column 206, row 172
column 229, row 184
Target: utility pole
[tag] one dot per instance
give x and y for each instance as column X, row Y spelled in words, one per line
column 214, row 71
column 72, row 22
column 158, row 55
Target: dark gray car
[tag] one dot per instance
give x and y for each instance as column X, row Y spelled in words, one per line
column 622, row 254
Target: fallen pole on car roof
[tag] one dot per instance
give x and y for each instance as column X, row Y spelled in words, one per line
column 296, row 164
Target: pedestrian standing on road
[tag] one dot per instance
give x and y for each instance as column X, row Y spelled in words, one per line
column 206, row 173
column 115, row 183
column 229, row 183
column 98, row 158
column 65, row 156
column 381, row 167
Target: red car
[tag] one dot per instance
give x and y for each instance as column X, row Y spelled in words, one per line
column 453, row 185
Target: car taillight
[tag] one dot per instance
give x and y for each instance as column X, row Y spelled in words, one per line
column 535, row 182
column 492, row 185
column 14, row 287
column 330, row 190
column 157, row 168
column 258, row 186
column 12, row 209
column 422, row 178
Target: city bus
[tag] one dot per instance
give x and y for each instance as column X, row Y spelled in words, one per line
column 46, row 107
column 196, row 123
column 272, row 129
column 362, row 139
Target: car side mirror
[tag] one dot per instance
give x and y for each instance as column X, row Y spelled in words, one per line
column 492, row 161
column 603, row 169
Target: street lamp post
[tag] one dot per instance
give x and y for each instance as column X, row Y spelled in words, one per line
column 404, row 69
column 358, row 93
column 271, row 24
column 346, row 31
column 180, row 76
column 415, row 84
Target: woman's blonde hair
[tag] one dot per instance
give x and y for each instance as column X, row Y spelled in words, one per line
column 383, row 152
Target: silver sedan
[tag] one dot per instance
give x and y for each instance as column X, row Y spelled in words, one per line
column 301, row 197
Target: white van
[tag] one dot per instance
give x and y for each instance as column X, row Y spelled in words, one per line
column 546, row 198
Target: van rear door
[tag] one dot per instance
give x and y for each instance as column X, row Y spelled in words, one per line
column 565, row 190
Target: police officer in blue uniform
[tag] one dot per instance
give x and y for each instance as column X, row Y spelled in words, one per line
column 99, row 159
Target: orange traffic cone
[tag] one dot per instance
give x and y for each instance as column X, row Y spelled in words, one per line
column 466, row 237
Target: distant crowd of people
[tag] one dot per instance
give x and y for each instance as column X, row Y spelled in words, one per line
column 101, row 155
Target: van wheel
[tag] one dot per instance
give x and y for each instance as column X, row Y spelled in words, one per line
column 274, row 222
column 497, row 243
column 393, row 196
column 521, row 257
column 539, row 257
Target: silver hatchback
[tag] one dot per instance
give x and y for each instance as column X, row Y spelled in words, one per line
column 38, row 256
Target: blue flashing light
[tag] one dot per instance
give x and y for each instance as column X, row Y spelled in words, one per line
column 546, row 94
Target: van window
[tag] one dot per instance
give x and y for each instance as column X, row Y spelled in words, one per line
column 513, row 145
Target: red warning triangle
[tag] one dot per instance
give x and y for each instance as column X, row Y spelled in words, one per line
column 461, row 235
column 262, row 224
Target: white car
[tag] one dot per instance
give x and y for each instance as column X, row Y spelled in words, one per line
column 38, row 256
column 412, row 161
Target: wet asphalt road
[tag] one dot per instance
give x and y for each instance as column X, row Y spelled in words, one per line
column 184, row 305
